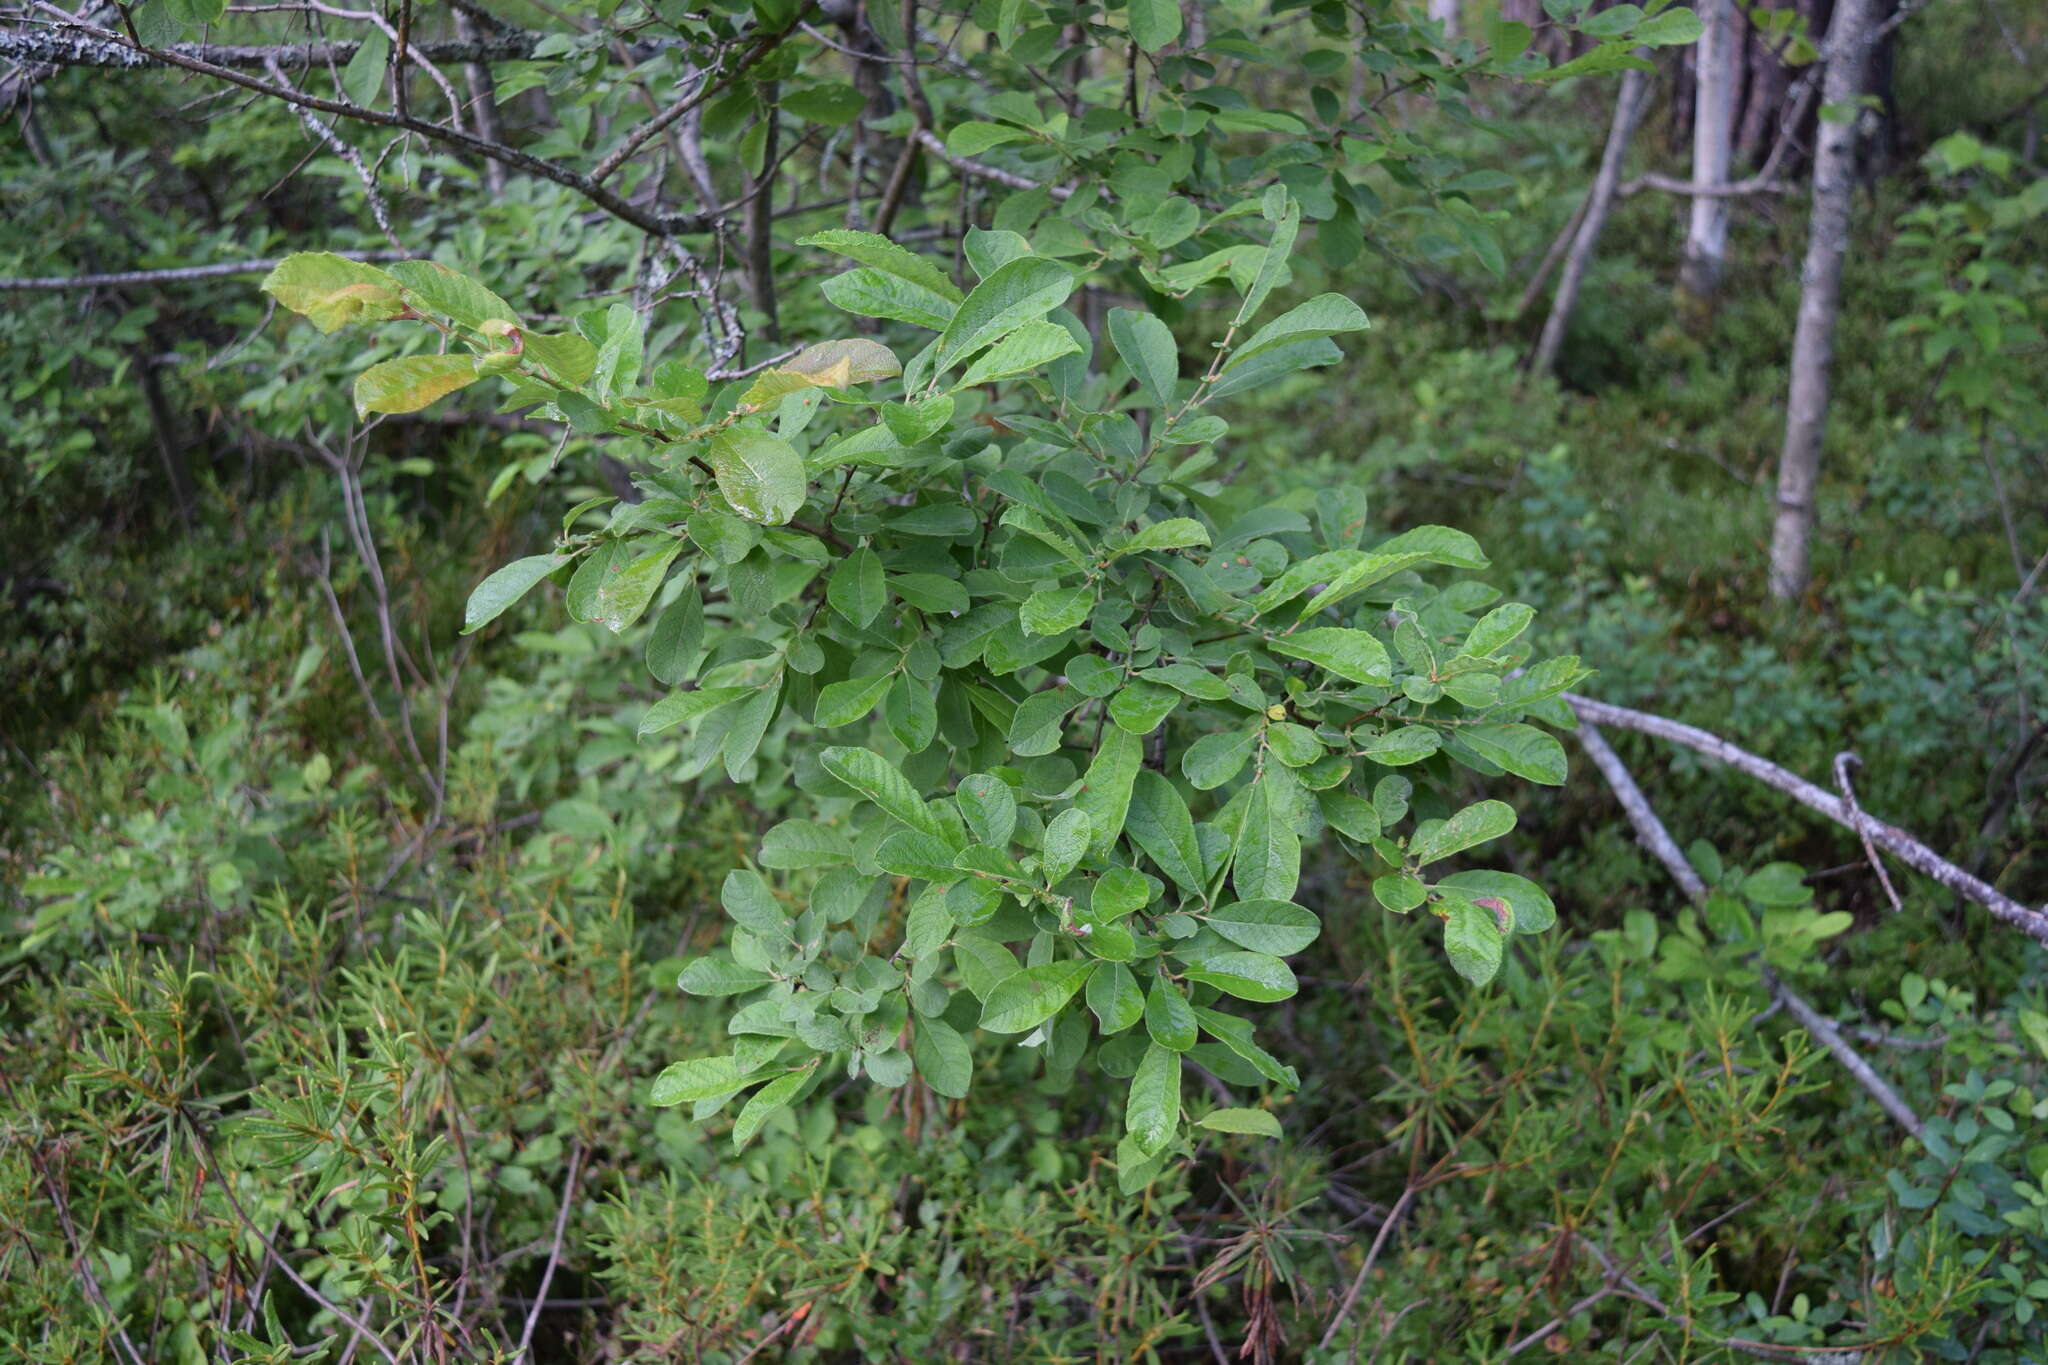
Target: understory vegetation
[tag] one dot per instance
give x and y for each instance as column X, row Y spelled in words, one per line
column 345, row 903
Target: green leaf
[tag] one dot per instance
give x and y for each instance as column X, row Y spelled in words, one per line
column 990, row 808
column 1399, row 892
column 1286, row 224
column 363, row 78
column 1409, row 744
column 1322, row 316
column 1672, row 28
column 1255, row 1122
column 717, row 976
column 679, row 707
column 568, row 357
column 973, row 138
column 942, row 1056
column 876, row 778
column 1153, row 1110
column 701, row 1078
column 1529, row 907
column 832, row 103
column 1266, row 926
column 913, row 853
column 1114, row 996
column 1066, row 843
column 752, row 905
column 1040, row 720
column 1436, row 839
column 1175, row 533
column 1214, row 759
column 1155, row 23
column 1520, row 749
column 799, row 844
column 332, row 291
column 1472, row 940
column 1031, row 347
column 761, row 477
column 1169, row 1018
column 1055, row 611
column 1140, row 707
column 887, row 257
column 431, row 287
column 1159, row 824
column 1236, row 1035
column 1268, row 861
column 1118, row 892
column 624, row 593
column 1438, row 545
column 1022, row 1002
column 1350, row 654
column 1021, row 291
column 1147, row 347
column 1107, row 785
column 411, row 382
column 498, row 592
column 677, row 637
column 1248, row 976
column 857, row 589
column 876, row 294
column 763, row 1103
column 1497, row 629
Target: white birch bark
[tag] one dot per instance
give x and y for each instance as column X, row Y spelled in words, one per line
column 1820, row 295
column 1717, row 71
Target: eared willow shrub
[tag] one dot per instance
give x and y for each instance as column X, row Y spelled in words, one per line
column 1078, row 721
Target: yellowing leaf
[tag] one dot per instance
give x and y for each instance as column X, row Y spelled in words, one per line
column 411, row 382
column 332, row 291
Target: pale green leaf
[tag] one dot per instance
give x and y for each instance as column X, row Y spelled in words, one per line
column 498, row 592
column 1022, row 1002
column 1031, row 347
column 761, row 476
column 1153, row 1110
column 701, row 1078
column 1254, row 1122
column 1021, row 291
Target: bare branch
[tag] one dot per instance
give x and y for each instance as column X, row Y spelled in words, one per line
column 114, row 49
column 980, row 171
column 1884, row 878
column 1650, row 830
column 1379, row 1243
column 53, row 47
column 174, row 275
column 1897, row 842
column 766, row 44
column 335, row 143
column 1738, row 189
column 1658, row 839
column 1830, row 1037
column 547, row 1276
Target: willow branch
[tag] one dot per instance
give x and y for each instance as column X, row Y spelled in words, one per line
column 640, row 136
column 1654, row 836
column 1901, row 845
column 170, row 275
column 109, row 44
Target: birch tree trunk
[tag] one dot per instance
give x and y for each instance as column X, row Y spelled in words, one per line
column 1717, row 73
column 1445, row 12
column 1628, row 106
column 1820, row 295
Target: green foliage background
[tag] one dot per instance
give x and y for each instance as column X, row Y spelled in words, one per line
column 248, row 1002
